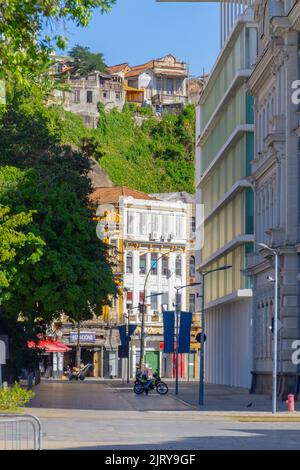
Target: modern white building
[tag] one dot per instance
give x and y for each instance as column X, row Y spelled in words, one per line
column 224, row 150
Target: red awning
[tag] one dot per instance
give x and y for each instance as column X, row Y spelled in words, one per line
column 49, row 345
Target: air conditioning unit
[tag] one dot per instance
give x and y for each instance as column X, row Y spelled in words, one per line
column 154, row 236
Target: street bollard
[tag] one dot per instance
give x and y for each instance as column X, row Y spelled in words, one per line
column 290, row 402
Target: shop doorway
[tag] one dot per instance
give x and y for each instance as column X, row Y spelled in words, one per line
column 152, row 360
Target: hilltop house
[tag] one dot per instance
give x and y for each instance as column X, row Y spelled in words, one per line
column 161, row 83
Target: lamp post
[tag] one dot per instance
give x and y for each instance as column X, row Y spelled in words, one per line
column 142, row 309
column 177, row 311
column 201, row 366
column 275, row 253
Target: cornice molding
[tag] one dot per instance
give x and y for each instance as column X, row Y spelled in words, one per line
column 294, row 16
column 261, row 72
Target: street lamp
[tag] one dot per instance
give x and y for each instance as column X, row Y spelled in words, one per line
column 275, row 253
column 201, row 366
column 177, row 328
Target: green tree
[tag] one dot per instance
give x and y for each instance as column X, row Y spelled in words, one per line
column 25, row 46
column 85, row 61
column 18, row 249
column 73, row 276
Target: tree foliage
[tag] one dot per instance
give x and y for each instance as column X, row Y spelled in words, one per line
column 85, row 61
column 25, row 46
column 47, row 232
column 19, row 249
column 157, row 156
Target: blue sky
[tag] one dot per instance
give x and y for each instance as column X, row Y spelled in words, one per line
column 139, row 30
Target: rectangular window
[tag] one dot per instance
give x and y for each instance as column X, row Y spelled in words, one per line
column 89, row 96
column 154, row 223
column 129, row 263
column 165, row 224
column 154, row 302
column 130, row 223
column 193, row 224
column 165, row 300
column 192, row 303
column 129, row 300
column 105, row 95
column 143, row 264
column 118, row 96
column 76, row 96
column 154, row 263
column 178, row 226
column 143, row 224
column 179, row 83
column 170, row 86
column 165, row 266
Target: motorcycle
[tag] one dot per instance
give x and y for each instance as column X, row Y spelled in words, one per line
column 81, row 373
column 144, row 384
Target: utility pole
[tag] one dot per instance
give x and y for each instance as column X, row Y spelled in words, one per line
column 78, row 348
column 128, row 358
column 177, row 338
column 201, row 381
column 275, row 252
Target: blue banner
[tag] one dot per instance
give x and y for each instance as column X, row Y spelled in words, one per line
column 185, row 332
column 123, row 337
column 131, row 329
column 169, row 324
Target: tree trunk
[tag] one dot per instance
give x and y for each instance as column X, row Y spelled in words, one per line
column 78, row 348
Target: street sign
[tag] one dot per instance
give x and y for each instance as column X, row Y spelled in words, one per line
column 123, row 351
column 198, row 337
column 2, row 352
column 2, row 358
column 5, row 339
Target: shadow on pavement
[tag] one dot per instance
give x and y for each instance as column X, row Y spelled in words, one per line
column 259, row 439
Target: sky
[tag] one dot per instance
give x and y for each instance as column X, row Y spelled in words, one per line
column 136, row 31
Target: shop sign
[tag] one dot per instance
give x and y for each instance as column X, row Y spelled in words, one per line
column 84, row 337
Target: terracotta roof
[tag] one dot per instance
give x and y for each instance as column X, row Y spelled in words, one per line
column 112, row 195
column 117, row 68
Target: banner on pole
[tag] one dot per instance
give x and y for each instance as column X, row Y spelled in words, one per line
column 123, row 337
column 169, row 324
column 185, row 332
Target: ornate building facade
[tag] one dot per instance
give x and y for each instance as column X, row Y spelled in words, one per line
column 275, row 179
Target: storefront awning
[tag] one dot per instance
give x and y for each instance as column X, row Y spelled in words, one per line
column 49, row 345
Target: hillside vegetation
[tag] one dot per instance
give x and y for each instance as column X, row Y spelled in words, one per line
column 157, row 156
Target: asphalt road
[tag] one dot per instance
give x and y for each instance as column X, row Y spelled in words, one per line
column 94, row 415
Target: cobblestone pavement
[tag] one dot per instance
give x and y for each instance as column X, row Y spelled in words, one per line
column 101, row 415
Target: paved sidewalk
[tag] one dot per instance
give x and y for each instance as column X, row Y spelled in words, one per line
column 108, row 415
column 217, row 398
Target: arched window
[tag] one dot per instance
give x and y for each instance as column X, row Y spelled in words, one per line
column 129, row 263
column 192, row 266
column 178, row 265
